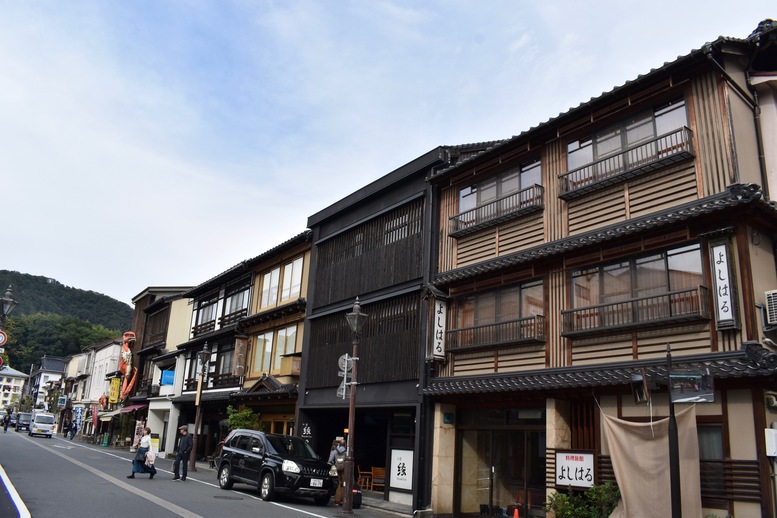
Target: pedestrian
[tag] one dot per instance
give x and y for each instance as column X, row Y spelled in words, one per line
column 6, row 422
column 184, row 450
column 73, row 430
column 337, row 458
column 144, row 458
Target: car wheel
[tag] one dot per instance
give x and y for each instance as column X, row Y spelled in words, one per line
column 225, row 478
column 267, row 487
column 321, row 500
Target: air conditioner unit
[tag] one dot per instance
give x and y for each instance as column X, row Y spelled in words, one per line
column 771, row 307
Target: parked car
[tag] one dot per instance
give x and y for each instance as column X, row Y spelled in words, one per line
column 23, row 421
column 276, row 465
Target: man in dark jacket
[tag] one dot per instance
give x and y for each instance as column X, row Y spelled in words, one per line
column 184, row 449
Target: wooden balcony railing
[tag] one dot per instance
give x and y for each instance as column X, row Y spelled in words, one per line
column 521, row 331
column 204, row 328
column 503, row 209
column 233, row 317
column 634, row 161
column 673, row 306
column 225, row 380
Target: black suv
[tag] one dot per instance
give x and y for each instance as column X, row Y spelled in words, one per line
column 276, row 464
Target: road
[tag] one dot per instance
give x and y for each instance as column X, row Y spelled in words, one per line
column 58, row 478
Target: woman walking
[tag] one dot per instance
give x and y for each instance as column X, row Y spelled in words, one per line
column 144, row 459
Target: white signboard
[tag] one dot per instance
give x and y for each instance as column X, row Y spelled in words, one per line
column 724, row 303
column 574, row 468
column 401, row 474
column 438, row 342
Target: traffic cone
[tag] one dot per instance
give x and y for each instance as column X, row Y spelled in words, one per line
column 516, row 514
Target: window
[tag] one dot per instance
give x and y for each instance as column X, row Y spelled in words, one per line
column 224, row 361
column 270, row 348
column 270, row 287
column 236, row 299
column 292, row 280
column 282, row 283
column 491, row 189
column 206, row 310
column 262, row 354
column 628, row 134
column 654, row 274
column 650, row 288
column 499, row 316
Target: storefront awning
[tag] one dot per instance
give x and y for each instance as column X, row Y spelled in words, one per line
column 132, row 408
column 107, row 416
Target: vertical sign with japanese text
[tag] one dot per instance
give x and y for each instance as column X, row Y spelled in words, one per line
column 725, row 311
column 113, row 391
column 575, row 469
column 401, row 476
column 438, row 342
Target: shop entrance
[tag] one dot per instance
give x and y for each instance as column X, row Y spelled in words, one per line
column 501, row 470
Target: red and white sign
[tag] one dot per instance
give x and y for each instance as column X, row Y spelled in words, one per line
column 3, row 338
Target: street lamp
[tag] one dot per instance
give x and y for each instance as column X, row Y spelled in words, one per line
column 203, row 357
column 7, row 304
column 355, row 321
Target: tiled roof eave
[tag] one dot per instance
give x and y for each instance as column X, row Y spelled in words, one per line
column 736, row 364
column 737, row 194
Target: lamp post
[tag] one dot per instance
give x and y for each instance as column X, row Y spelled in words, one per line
column 7, row 304
column 203, row 357
column 355, row 321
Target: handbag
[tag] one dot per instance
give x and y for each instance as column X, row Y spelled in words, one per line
column 140, row 457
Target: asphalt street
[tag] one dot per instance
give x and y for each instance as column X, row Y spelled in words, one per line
column 59, row 478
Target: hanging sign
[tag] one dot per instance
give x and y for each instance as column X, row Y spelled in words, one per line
column 723, row 284
column 438, row 341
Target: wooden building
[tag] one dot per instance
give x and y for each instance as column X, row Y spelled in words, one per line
column 571, row 256
column 374, row 244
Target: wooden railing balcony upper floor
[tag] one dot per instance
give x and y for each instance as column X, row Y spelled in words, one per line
column 671, row 307
column 204, row 328
column 633, row 161
column 502, row 209
column 520, row 331
column 233, row 317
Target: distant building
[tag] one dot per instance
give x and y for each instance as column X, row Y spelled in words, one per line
column 11, row 386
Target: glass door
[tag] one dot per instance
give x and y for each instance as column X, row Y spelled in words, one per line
column 501, row 470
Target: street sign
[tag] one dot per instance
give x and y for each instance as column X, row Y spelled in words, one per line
column 344, row 365
column 3, row 338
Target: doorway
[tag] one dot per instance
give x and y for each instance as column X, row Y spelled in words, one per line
column 500, row 471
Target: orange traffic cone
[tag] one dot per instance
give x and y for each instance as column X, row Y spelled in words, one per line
column 516, row 514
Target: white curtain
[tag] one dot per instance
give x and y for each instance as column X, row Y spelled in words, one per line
column 640, row 459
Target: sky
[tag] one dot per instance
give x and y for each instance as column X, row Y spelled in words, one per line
column 161, row 142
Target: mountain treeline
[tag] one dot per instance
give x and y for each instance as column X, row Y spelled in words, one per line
column 57, row 320
column 38, row 294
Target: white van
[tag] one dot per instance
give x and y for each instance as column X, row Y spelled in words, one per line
column 42, row 424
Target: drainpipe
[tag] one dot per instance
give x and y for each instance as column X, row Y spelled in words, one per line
column 754, row 106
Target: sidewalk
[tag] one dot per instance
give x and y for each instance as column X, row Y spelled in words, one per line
column 373, row 499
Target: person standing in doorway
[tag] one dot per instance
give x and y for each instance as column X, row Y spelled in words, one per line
column 184, row 450
column 337, row 458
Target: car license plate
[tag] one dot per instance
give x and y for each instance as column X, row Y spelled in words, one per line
column 316, row 482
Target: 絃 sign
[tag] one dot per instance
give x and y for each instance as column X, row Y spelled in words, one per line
column 575, row 469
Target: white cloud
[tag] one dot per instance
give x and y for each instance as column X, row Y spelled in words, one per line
column 150, row 143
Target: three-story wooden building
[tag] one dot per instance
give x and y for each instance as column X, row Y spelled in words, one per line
column 572, row 255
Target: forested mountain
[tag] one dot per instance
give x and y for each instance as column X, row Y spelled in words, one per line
column 38, row 294
column 56, row 320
